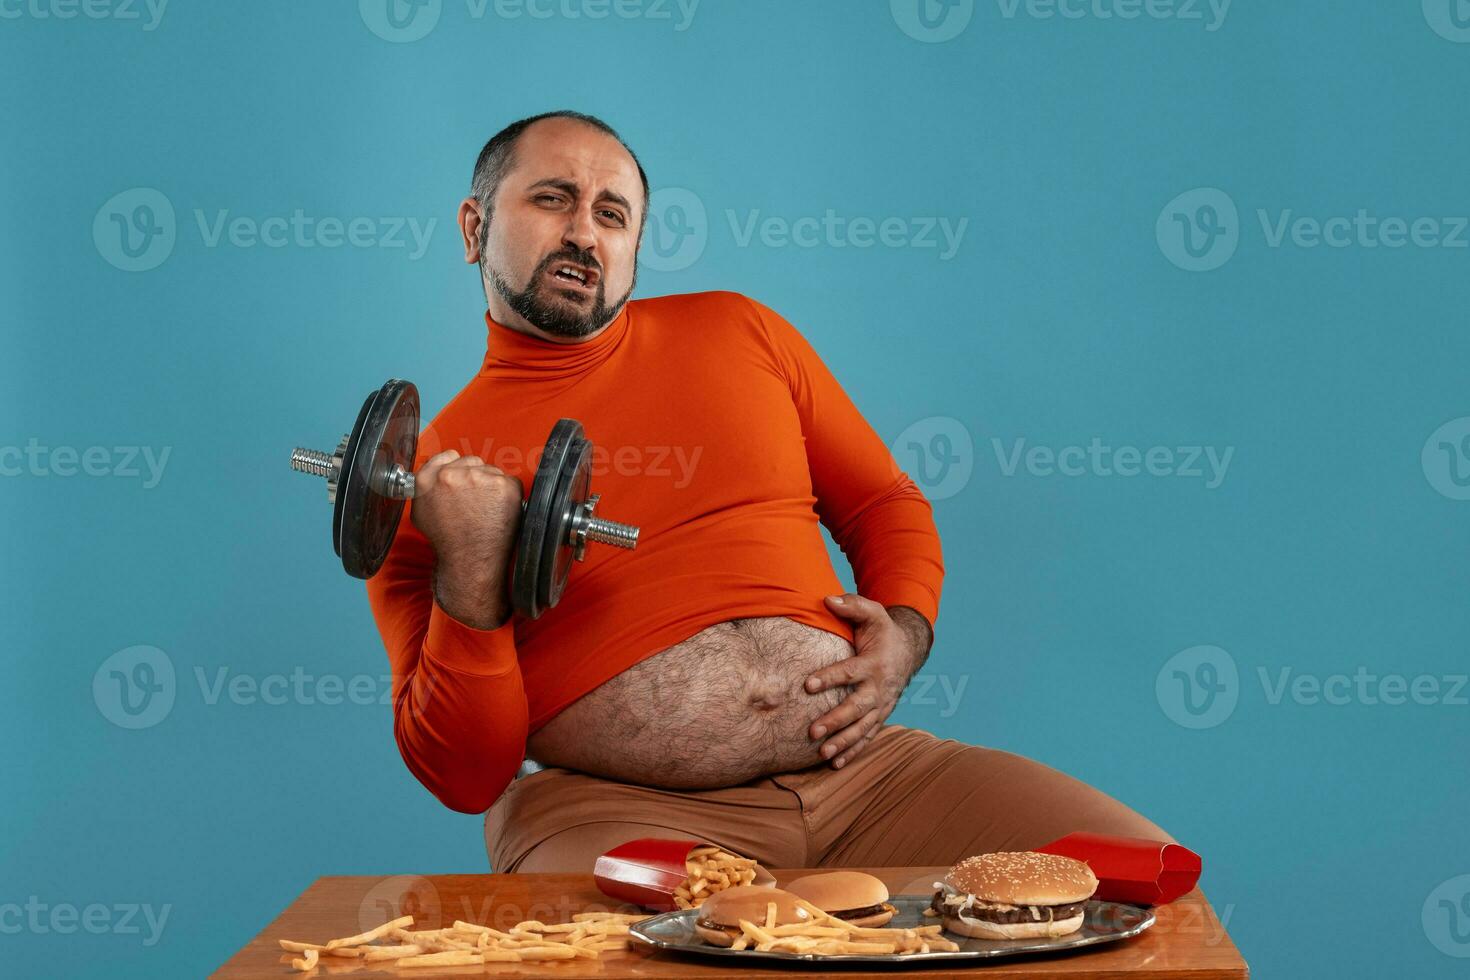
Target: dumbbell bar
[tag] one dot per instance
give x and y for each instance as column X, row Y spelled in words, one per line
column 370, row 475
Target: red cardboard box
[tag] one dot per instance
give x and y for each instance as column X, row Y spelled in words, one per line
column 647, row 870
column 1132, row 869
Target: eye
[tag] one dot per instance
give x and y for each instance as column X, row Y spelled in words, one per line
column 553, row 198
column 614, row 215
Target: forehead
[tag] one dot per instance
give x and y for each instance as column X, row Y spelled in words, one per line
column 566, row 148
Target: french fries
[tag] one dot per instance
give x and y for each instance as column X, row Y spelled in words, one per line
column 712, row 869
column 827, row 935
column 587, row 936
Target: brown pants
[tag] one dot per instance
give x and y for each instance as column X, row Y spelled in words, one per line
column 908, row 799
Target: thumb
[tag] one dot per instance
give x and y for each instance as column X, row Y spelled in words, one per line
column 848, row 606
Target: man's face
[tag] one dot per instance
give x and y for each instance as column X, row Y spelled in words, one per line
column 559, row 250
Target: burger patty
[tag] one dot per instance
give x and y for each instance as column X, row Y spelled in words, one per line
column 710, row 924
column 862, row 913
column 1021, row 913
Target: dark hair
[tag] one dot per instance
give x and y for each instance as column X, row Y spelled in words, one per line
column 497, row 157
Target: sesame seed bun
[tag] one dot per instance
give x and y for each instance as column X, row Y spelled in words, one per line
column 1023, row 878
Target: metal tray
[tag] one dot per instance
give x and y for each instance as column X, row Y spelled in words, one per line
column 1104, row 922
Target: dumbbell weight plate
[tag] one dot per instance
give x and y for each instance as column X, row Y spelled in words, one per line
column 536, row 549
column 557, row 553
column 365, row 516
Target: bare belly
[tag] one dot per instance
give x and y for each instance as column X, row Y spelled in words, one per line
column 720, row 708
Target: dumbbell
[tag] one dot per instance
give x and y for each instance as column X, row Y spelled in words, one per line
column 370, row 476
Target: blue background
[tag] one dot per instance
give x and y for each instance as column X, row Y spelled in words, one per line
column 1326, row 548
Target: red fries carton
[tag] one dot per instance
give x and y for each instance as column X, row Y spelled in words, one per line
column 647, row 871
column 1132, row 869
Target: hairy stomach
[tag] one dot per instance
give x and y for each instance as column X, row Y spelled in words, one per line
column 720, row 708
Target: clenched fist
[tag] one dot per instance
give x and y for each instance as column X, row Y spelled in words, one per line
column 470, row 511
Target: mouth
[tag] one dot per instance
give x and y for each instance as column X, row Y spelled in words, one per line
column 567, row 275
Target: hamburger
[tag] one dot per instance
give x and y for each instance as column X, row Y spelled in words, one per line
column 848, row 895
column 1014, row 895
column 719, row 917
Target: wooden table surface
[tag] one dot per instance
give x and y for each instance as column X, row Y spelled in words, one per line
column 1186, row 943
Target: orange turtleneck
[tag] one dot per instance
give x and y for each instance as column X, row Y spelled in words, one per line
column 722, row 435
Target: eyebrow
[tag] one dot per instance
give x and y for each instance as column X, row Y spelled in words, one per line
column 570, row 187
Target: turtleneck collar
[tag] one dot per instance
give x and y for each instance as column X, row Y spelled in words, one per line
column 507, row 348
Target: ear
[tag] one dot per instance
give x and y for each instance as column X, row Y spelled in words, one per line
column 470, row 218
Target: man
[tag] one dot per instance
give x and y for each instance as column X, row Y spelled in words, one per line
column 713, row 683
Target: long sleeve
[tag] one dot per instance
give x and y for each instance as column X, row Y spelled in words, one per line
column 877, row 515
column 459, row 706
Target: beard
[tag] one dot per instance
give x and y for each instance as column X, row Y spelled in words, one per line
column 559, row 315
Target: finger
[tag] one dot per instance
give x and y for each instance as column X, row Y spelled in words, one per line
column 847, row 738
column 428, row 474
column 438, row 461
column 843, row 673
column 467, row 463
column 858, row 746
column 858, row 608
column 854, row 706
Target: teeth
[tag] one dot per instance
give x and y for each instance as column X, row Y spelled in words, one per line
column 574, row 273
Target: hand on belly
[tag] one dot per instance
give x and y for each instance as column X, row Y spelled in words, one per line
column 720, row 708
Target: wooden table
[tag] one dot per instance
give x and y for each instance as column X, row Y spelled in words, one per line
column 1186, row 943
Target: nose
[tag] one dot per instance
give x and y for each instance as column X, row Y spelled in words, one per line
column 581, row 231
